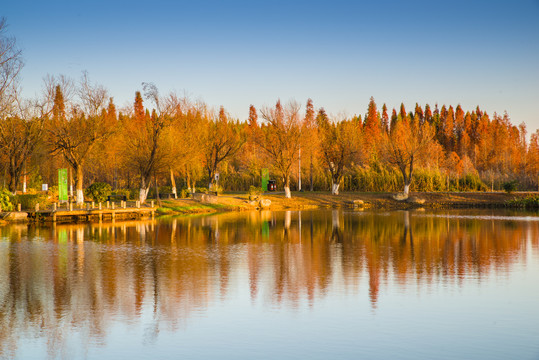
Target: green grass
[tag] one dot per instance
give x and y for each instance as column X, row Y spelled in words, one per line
column 530, row 202
column 192, row 209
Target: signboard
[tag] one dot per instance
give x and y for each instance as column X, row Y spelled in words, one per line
column 44, row 187
column 62, row 185
column 265, row 179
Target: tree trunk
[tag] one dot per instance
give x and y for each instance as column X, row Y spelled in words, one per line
column 287, row 193
column 70, row 183
column 80, row 192
column 156, row 190
column 334, row 188
column 311, row 175
column 143, row 193
column 24, row 180
column 406, row 187
column 143, row 190
column 173, row 183
column 299, row 170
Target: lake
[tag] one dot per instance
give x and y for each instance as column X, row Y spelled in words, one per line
column 320, row 284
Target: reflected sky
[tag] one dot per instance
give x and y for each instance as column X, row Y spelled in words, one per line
column 313, row 284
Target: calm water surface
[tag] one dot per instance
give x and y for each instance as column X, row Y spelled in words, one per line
column 275, row 285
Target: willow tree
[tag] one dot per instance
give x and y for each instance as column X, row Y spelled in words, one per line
column 340, row 144
column 406, row 144
column 280, row 138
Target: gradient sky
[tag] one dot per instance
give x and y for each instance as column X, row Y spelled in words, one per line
column 339, row 53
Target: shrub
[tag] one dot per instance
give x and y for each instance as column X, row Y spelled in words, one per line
column 530, row 202
column 510, row 186
column 98, row 191
column 29, row 201
column 184, row 193
column 124, row 192
column 255, row 190
column 5, row 200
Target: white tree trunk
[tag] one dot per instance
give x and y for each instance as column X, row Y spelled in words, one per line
column 406, row 189
column 143, row 193
column 287, row 193
column 80, row 196
column 335, row 189
column 173, row 182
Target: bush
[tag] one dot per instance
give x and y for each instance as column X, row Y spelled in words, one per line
column 29, row 201
column 124, row 192
column 184, row 193
column 510, row 186
column 98, row 191
column 254, row 190
column 201, row 190
column 6, row 200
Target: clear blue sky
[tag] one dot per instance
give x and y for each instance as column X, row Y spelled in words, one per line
column 339, row 53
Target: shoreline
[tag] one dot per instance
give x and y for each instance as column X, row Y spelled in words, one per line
column 322, row 200
column 237, row 202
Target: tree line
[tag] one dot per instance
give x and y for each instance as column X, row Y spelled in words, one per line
column 169, row 140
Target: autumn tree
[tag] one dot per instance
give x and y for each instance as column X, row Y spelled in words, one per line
column 407, row 144
column 280, row 138
column 145, row 140
column 18, row 140
column 372, row 126
column 222, row 140
column 76, row 133
column 340, row 145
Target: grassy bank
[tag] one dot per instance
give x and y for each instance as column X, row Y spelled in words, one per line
column 313, row 200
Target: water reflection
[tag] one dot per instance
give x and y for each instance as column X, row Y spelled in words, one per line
column 81, row 278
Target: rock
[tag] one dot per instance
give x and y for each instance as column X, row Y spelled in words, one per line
column 415, row 200
column 355, row 203
column 15, row 216
column 400, row 196
column 264, row 203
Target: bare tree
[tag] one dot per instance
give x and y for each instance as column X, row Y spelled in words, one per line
column 10, row 66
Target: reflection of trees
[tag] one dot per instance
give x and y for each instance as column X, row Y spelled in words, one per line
column 69, row 277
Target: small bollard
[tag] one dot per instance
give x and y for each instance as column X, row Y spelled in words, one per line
column 124, row 203
column 112, row 204
column 54, row 207
column 138, row 204
column 108, row 204
column 37, row 207
column 152, row 203
column 18, row 207
column 70, row 206
column 88, row 207
column 93, row 204
column 99, row 205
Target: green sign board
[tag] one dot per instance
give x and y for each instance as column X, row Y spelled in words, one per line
column 265, row 179
column 62, row 185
